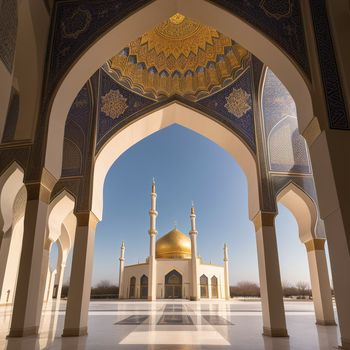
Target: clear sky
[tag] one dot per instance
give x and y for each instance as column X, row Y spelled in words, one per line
column 187, row 167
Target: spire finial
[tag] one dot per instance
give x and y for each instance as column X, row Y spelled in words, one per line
column 153, row 185
column 192, row 208
column 175, row 223
column 123, row 245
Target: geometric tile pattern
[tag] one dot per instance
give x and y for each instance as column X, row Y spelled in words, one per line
column 287, row 149
column 337, row 113
column 8, row 32
column 175, row 320
column 133, row 320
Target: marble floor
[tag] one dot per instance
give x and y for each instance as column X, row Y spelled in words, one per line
column 180, row 325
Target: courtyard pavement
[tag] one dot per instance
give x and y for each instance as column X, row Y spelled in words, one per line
column 175, row 325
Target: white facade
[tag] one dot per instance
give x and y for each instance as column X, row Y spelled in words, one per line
column 177, row 271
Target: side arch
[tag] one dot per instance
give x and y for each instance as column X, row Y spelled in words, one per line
column 302, row 207
column 59, row 209
column 11, row 182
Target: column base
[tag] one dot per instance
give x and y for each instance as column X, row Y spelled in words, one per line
column 194, row 299
column 326, row 323
column 345, row 344
column 151, row 298
column 275, row 332
column 23, row 332
column 74, row 332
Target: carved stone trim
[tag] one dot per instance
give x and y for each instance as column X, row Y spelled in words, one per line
column 264, row 219
column 87, row 218
column 315, row 244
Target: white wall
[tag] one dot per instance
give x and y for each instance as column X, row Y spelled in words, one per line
column 183, row 266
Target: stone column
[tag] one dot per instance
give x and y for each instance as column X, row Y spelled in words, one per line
column 194, row 257
column 121, row 270
column 274, row 322
column 51, row 285
column 331, row 174
column 4, row 255
column 226, row 274
column 152, row 269
column 59, row 279
column 61, row 265
column 31, row 281
column 321, row 289
column 76, row 319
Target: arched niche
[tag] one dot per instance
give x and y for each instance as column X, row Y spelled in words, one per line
column 11, row 182
column 174, row 113
column 149, row 16
column 59, row 209
column 303, row 208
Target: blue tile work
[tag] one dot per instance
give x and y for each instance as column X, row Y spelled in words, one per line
column 286, row 147
column 134, row 104
column 243, row 125
column 281, row 20
column 75, row 136
column 76, row 24
column 8, row 32
column 337, row 114
column 11, row 118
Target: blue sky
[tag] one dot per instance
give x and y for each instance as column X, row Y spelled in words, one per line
column 187, row 167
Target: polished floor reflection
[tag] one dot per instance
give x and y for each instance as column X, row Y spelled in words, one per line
column 178, row 325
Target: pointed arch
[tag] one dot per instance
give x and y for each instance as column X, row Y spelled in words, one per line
column 142, row 20
column 188, row 118
column 11, row 182
column 61, row 206
column 302, row 207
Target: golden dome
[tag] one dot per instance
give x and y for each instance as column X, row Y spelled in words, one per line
column 179, row 56
column 174, row 245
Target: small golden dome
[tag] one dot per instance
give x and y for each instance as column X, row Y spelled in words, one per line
column 174, row 245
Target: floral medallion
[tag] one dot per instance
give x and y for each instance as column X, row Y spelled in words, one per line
column 114, row 104
column 237, row 102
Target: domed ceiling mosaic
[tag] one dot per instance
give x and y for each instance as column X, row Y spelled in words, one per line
column 179, row 57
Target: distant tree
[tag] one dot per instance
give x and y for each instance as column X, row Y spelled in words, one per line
column 104, row 289
column 245, row 289
column 288, row 289
column 303, row 288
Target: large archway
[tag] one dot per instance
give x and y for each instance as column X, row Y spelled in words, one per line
column 174, row 113
column 146, row 18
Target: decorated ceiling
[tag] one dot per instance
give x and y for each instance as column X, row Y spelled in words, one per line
column 179, row 57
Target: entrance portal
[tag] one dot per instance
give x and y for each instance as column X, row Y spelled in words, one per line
column 173, row 285
column 214, row 287
column 204, row 286
column 144, row 287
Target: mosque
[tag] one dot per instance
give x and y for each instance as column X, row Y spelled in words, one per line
column 81, row 82
column 173, row 269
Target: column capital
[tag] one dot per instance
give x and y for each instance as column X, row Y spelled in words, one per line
column 263, row 218
column 41, row 189
column 87, row 218
column 315, row 244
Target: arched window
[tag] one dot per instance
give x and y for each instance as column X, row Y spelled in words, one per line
column 132, row 289
column 144, row 287
column 214, row 287
column 204, row 286
column 173, row 285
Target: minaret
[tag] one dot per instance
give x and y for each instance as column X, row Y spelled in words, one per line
column 194, row 260
column 226, row 274
column 152, row 271
column 121, row 270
